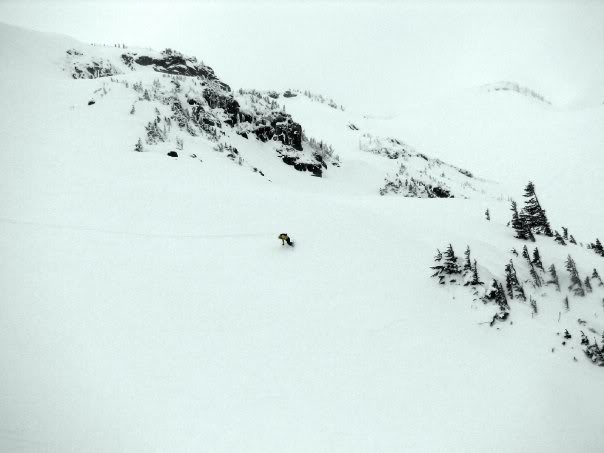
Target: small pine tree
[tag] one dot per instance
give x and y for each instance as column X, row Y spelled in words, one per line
column 179, row 144
column 587, row 284
column 597, row 247
column 475, row 280
column 537, row 259
column 513, row 286
column 139, row 146
column 146, row 95
column 533, row 214
column 559, row 239
column 535, row 276
column 554, row 277
column 467, row 265
column 566, row 304
column 132, row 110
column 439, row 268
column 572, row 240
column 596, row 276
column 525, row 254
column 520, row 227
column 565, row 233
column 450, row 264
column 576, row 286
column 487, row 214
column 533, row 305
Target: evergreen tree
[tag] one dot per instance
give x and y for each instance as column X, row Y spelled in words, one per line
column 572, row 240
column 597, row 247
column 146, row 95
column 467, row 265
column 575, row 282
column 566, row 304
column 475, row 280
column 139, row 146
column 554, row 277
column 520, row 227
column 559, row 238
column 587, row 284
column 513, row 286
column 450, row 265
column 439, row 268
column 525, row 253
column 596, row 276
column 565, row 233
column 533, row 214
column 132, row 110
column 537, row 259
column 487, row 214
column 535, row 276
column 495, row 293
column 533, row 305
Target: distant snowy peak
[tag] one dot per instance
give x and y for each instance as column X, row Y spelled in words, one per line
column 514, row 88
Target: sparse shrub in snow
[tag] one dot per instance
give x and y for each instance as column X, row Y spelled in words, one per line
column 132, row 110
column 487, row 214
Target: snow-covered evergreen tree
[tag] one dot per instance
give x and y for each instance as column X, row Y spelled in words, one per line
column 520, row 227
column 512, row 283
column 554, row 277
column 139, row 146
column 559, row 239
column 487, row 214
column 595, row 276
column 533, row 214
column 475, row 279
column 536, row 261
column 467, row 264
column 587, row 285
column 576, row 286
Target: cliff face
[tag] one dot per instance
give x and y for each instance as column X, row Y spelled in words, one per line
column 200, row 102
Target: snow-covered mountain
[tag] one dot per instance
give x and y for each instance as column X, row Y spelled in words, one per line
column 147, row 305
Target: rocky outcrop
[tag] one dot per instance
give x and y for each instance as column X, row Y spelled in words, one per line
column 279, row 126
column 177, row 64
column 93, row 69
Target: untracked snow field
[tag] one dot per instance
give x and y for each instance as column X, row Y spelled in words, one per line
column 146, row 304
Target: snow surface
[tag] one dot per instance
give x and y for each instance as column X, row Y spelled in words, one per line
column 146, row 303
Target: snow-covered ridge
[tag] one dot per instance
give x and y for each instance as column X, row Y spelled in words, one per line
column 514, row 88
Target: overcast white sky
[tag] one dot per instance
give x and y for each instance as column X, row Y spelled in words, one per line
column 369, row 56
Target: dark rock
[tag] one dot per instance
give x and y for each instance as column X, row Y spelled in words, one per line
column 173, row 154
column 178, row 64
column 441, row 193
column 92, row 101
column 289, row 94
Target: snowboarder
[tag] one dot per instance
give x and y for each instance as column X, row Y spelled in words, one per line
column 285, row 238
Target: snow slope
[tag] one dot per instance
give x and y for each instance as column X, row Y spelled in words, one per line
column 147, row 305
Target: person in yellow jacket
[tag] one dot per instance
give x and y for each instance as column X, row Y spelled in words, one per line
column 285, row 238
